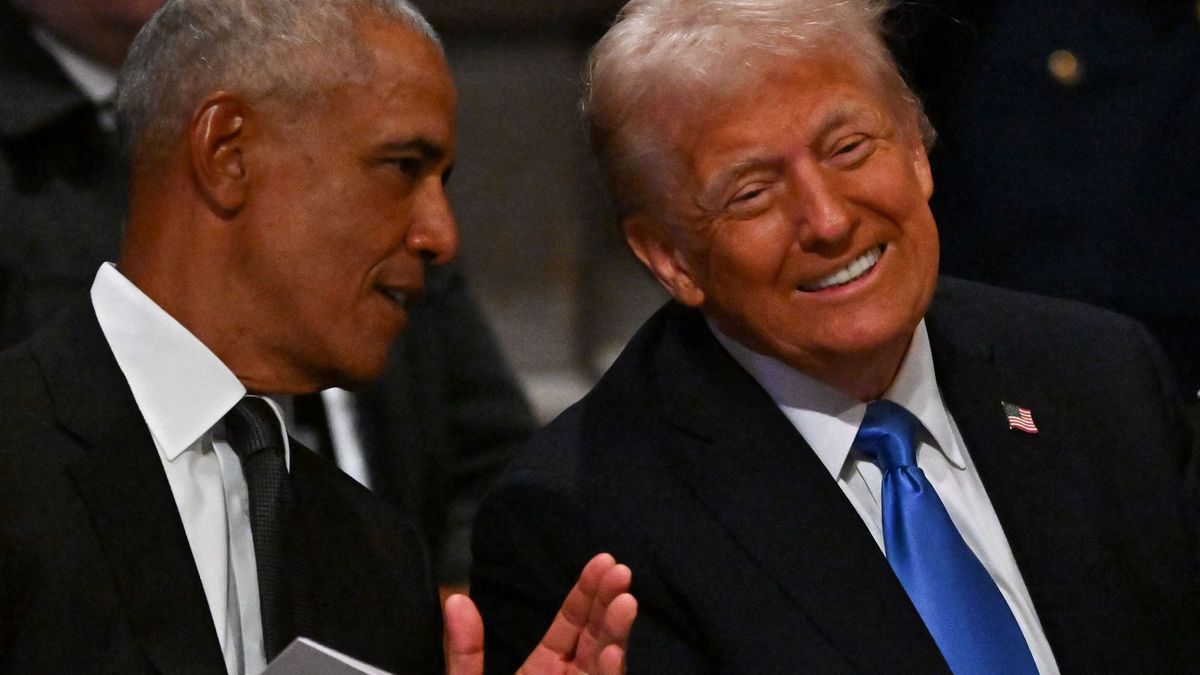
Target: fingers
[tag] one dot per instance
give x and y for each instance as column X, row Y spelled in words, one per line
column 464, row 636
column 611, row 661
column 606, row 626
column 616, row 623
column 562, row 638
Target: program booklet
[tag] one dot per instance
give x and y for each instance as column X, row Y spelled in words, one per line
column 305, row 657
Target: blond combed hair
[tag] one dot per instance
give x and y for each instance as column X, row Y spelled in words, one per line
column 662, row 56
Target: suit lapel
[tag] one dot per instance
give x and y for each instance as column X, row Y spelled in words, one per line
column 121, row 481
column 758, row 477
column 1047, row 527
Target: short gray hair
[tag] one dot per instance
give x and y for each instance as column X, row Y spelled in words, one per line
column 255, row 48
column 697, row 50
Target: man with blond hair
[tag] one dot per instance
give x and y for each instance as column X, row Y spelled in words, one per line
column 820, row 456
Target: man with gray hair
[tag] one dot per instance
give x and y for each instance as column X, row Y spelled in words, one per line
column 288, row 162
column 820, row 456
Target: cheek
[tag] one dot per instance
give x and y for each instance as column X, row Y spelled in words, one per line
column 751, row 255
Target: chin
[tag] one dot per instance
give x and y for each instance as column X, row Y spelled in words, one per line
column 360, row 377
column 359, row 371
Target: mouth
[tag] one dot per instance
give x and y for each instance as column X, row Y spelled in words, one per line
column 399, row 296
column 857, row 269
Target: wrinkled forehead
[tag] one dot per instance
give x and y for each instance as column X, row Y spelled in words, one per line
column 675, row 120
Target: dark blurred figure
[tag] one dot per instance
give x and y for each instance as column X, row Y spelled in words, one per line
column 432, row 449
column 1068, row 159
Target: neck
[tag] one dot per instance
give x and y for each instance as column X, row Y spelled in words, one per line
column 865, row 376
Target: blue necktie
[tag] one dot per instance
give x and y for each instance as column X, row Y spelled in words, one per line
column 960, row 604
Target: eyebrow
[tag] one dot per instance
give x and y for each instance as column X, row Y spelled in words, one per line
column 839, row 113
column 429, row 150
column 842, row 112
column 712, row 191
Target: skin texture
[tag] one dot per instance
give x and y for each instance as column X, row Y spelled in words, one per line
column 101, row 29
column 588, row 635
column 318, row 215
column 359, row 178
column 781, row 187
column 279, row 234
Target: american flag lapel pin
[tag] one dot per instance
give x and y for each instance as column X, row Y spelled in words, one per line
column 1019, row 418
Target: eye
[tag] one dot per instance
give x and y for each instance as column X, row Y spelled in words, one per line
column 852, row 150
column 749, row 200
column 748, row 195
column 849, row 147
column 409, row 166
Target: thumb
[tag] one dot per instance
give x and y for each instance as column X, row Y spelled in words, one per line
column 464, row 637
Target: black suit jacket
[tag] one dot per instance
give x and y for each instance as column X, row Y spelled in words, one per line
column 748, row 558
column 96, row 574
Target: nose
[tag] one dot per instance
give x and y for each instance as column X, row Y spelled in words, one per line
column 824, row 216
column 433, row 234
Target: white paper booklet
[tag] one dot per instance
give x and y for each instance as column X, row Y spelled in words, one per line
column 305, row 657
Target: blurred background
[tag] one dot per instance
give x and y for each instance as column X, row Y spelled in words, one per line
column 539, row 243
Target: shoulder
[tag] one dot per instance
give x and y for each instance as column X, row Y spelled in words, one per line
column 635, row 395
column 990, row 314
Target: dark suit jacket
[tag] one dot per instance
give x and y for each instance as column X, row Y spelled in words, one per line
column 96, row 575
column 748, row 558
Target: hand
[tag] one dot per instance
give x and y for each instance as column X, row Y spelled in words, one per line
column 588, row 635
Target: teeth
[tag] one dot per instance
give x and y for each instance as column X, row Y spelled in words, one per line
column 854, row 270
column 397, row 296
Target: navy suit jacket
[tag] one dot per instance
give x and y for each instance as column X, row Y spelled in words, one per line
column 748, row 558
column 96, row 574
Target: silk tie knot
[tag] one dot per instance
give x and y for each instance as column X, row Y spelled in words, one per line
column 251, row 427
column 886, row 435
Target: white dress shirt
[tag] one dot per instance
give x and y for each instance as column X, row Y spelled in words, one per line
column 183, row 390
column 828, row 419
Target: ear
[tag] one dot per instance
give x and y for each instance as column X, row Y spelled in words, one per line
column 216, row 137
column 920, row 160
column 653, row 244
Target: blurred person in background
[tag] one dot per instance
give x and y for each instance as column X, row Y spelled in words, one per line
column 1068, row 151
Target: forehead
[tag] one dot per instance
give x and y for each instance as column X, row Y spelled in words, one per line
column 403, row 86
column 797, row 101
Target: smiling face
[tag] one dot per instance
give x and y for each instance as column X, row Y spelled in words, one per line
column 347, row 209
column 800, row 224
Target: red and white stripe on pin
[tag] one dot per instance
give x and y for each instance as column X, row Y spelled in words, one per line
column 1019, row 418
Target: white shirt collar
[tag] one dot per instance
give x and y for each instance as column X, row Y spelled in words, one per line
column 828, row 419
column 180, row 386
column 96, row 81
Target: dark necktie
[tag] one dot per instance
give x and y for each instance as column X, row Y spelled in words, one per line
column 254, row 434
column 955, row 596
